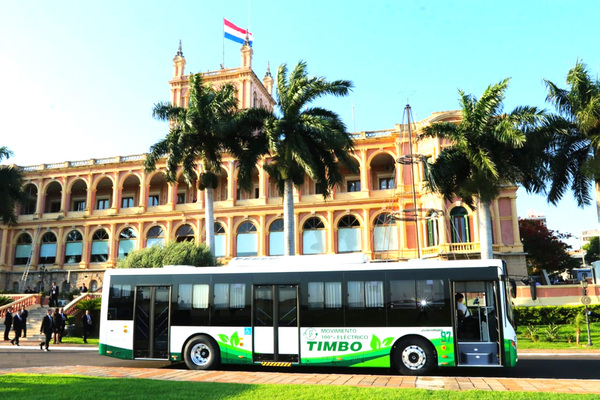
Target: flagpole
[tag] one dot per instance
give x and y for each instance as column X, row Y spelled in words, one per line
column 248, row 29
column 223, row 39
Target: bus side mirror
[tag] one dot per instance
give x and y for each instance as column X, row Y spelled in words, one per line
column 513, row 288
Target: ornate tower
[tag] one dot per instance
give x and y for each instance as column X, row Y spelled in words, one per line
column 247, row 54
column 268, row 80
column 178, row 63
column 178, row 73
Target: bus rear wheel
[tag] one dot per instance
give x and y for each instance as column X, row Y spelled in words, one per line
column 414, row 356
column 201, row 353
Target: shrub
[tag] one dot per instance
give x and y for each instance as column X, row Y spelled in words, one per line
column 173, row 253
column 545, row 315
column 532, row 333
column 551, row 332
column 91, row 304
column 4, row 300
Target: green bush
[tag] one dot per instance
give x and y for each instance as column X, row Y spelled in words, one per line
column 173, row 253
column 546, row 315
column 91, row 304
column 551, row 332
column 4, row 300
column 532, row 333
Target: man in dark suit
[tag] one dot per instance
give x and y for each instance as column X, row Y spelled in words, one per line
column 63, row 324
column 87, row 325
column 47, row 329
column 17, row 326
column 8, row 320
column 24, row 314
column 53, row 295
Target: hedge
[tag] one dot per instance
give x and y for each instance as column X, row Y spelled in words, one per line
column 545, row 315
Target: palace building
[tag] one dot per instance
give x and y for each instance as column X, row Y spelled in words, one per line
column 80, row 217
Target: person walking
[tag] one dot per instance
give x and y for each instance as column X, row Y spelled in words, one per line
column 17, row 327
column 83, row 289
column 87, row 325
column 63, row 323
column 56, row 326
column 53, row 295
column 8, row 320
column 46, row 329
column 24, row 314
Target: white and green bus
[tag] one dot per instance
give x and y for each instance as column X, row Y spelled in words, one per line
column 314, row 311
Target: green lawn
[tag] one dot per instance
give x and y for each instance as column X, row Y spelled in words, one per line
column 79, row 340
column 34, row 387
column 561, row 342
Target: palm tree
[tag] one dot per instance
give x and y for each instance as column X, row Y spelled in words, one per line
column 11, row 188
column 198, row 132
column 305, row 140
column 574, row 144
column 487, row 150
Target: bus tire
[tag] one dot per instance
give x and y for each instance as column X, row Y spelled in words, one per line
column 201, row 352
column 414, row 356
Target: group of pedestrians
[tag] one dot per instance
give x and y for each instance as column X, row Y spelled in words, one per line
column 53, row 326
column 18, row 322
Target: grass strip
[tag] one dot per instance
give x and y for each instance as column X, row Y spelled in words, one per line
column 36, row 386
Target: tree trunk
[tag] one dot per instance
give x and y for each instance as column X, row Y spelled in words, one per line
column 209, row 220
column 598, row 201
column 485, row 230
column 289, row 230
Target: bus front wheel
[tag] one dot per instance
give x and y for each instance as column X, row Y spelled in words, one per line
column 201, row 353
column 414, row 356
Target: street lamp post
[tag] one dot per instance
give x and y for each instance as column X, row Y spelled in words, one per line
column 586, row 300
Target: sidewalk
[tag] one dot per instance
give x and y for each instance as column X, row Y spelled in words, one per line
column 299, row 378
column 295, row 378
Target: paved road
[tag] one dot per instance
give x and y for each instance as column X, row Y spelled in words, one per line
column 568, row 366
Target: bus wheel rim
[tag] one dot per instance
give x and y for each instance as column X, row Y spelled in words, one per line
column 414, row 357
column 200, row 354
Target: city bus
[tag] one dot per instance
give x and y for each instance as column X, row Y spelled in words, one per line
column 312, row 311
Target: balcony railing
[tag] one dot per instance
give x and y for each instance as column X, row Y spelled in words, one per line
column 80, row 163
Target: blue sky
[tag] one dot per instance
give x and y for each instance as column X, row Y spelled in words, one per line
column 78, row 79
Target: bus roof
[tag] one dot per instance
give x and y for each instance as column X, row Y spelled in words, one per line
column 287, row 264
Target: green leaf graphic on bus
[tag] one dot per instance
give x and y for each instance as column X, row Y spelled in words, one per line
column 375, row 343
column 224, row 338
column 235, row 339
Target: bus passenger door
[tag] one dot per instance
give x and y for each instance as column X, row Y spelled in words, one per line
column 151, row 322
column 479, row 334
column 275, row 323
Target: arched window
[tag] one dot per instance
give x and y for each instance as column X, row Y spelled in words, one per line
column 29, row 201
column 313, row 236
column 73, row 247
column 460, row 225
column 126, row 242
column 276, row 238
column 247, row 240
column 48, row 249
column 155, row 236
column 23, row 249
column 220, row 240
column 433, row 234
column 349, row 234
column 100, row 246
column 185, row 233
column 93, row 285
column 385, row 233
